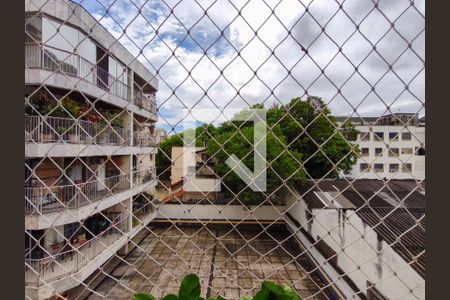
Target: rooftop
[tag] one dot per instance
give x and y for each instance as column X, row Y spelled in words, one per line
column 230, row 261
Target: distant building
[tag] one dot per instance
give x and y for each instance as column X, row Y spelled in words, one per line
column 392, row 146
column 367, row 236
column 200, row 184
column 161, row 135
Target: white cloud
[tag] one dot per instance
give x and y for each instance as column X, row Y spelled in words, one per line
column 174, row 53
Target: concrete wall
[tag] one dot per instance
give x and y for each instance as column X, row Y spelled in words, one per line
column 417, row 162
column 219, row 212
column 64, row 11
column 357, row 245
column 202, row 185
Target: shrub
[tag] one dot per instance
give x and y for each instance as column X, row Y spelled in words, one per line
column 190, row 290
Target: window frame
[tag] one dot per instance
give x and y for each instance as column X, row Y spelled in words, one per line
column 378, row 136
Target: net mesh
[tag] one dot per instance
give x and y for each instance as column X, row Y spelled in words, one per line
column 115, row 205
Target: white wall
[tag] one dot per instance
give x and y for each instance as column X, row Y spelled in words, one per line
column 219, row 212
column 357, row 245
column 417, row 162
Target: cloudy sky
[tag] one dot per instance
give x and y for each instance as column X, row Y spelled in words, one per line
column 235, row 53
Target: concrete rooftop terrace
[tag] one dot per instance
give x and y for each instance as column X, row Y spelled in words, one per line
column 231, row 262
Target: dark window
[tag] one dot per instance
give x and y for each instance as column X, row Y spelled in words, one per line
column 394, row 168
column 378, row 167
column 407, row 168
column 379, row 151
column 365, row 136
column 420, row 151
column 378, row 136
column 393, row 152
column 363, row 167
column 33, row 29
column 393, row 136
column 406, row 136
column 365, row 151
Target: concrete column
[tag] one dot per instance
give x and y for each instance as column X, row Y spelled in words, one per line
column 127, row 206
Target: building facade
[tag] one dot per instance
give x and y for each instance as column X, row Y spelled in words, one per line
column 90, row 116
column 368, row 236
column 392, row 146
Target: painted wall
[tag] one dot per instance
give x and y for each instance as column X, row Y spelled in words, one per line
column 219, row 212
column 417, row 162
column 358, row 245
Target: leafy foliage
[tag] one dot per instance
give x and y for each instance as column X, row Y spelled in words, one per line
column 190, row 290
column 303, row 141
column 163, row 158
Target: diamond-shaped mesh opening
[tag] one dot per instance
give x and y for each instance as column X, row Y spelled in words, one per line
column 241, row 141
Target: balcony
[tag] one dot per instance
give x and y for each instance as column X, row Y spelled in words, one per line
column 144, row 140
column 44, row 200
column 69, row 63
column 65, row 258
column 41, row 129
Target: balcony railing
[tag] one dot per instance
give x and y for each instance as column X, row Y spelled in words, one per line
column 144, row 175
column 41, row 129
column 144, row 140
column 58, row 60
column 73, row 257
column 147, row 103
column 57, row 198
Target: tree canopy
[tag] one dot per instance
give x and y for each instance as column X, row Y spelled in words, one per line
column 303, row 141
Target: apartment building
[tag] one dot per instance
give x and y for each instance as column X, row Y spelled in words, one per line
column 90, row 116
column 392, row 146
column 368, row 236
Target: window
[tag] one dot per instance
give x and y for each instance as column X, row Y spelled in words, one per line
column 378, row 151
column 378, row 136
column 420, row 151
column 407, row 168
column 393, row 152
column 363, row 167
column 378, row 167
column 393, row 168
column 406, row 136
column 407, row 150
column 365, row 136
column 393, row 136
column 365, row 151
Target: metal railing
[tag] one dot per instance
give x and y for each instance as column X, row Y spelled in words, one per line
column 56, row 198
column 144, row 175
column 147, row 103
column 65, row 262
column 58, row 60
column 45, row 129
column 142, row 139
column 43, row 200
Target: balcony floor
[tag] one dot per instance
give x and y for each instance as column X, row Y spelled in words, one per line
column 232, row 261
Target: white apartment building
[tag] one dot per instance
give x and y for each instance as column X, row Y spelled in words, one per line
column 392, row 147
column 370, row 246
column 90, row 117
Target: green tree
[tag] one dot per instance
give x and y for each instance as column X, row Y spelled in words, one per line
column 303, row 140
column 284, row 165
column 310, row 130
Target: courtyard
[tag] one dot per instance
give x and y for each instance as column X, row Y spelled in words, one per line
column 231, row 261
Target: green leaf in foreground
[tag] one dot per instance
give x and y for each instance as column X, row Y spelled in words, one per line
column 143, row 297
column 189, row 288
